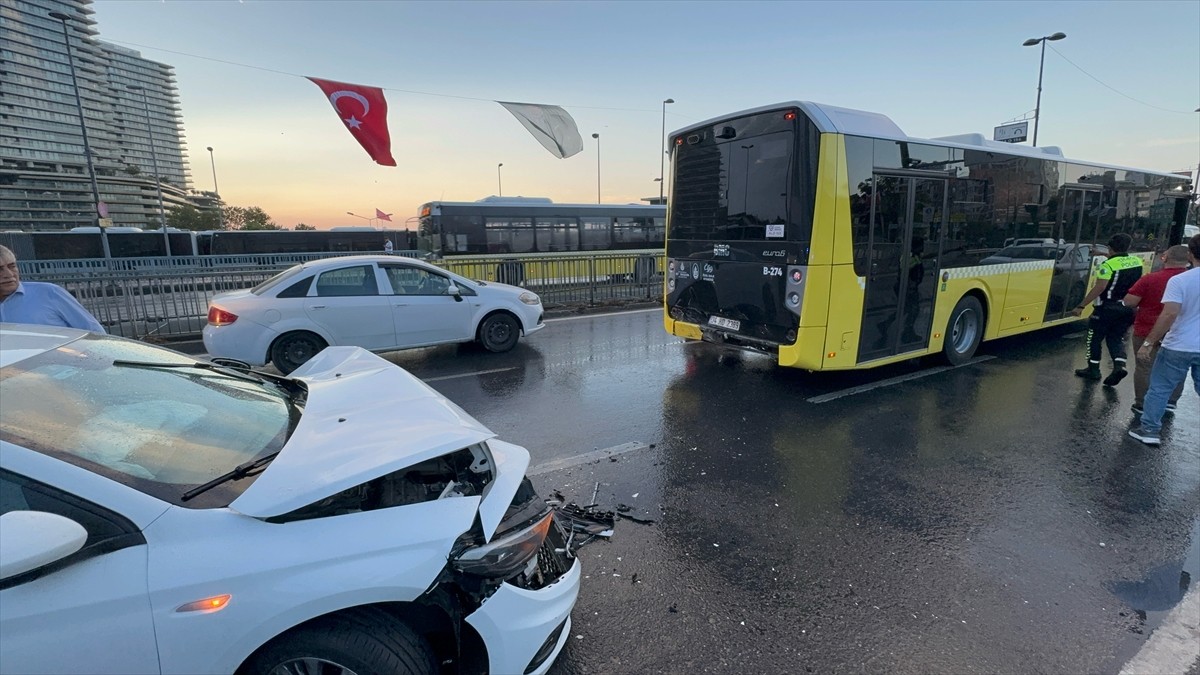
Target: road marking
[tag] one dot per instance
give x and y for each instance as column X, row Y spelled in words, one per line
column 825, row 398
column 585, row 458
column 1175, row 646
column 477, row 372
column 602, row 314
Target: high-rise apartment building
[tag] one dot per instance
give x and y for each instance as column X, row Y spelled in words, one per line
column 130, row 107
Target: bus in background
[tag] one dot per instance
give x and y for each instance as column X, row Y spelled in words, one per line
column 335, row 240
column 497, row 231
column 829, row 239
column 83, row 243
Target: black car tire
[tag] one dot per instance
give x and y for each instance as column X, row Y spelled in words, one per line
column 361, row 643
column 964, row 330
column 293, row 350
column 499, row 332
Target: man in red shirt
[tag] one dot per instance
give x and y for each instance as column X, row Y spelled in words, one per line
column 1146, row 295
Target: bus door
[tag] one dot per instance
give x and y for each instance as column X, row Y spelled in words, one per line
column 1074, row 234
column 907, row 218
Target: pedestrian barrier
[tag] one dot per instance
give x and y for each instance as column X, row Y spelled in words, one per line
column 168, row 298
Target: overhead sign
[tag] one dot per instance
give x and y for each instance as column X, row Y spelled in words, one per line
column 1012, row 133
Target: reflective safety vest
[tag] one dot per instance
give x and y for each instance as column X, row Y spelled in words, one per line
column 1121, row 271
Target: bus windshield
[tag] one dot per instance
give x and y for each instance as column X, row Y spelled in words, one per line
column 745, row 179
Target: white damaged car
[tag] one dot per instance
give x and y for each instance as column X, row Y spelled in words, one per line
column 160, row 514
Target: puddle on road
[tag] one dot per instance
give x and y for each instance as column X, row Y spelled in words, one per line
column 1160, row 590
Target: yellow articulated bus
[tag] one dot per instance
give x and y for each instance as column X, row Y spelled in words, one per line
column 537, row 242
column 827, row 237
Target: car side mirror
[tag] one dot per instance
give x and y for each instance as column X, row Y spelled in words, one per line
column 453, row 290
column 33, row 539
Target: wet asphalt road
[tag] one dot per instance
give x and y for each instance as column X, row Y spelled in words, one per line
column 989, row 518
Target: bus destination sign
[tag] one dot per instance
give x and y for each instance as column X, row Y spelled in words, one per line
column 1012, row 133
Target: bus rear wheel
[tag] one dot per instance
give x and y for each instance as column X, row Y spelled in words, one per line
column 964, row 331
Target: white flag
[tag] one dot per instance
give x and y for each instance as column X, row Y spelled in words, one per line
column 551, row 125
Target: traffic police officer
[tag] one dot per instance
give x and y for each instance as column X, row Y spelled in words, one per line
column 1111, row 320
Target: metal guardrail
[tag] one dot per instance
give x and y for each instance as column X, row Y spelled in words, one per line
column 165, row 298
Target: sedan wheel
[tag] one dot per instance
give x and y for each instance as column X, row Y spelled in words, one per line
column 310, row 666
column 294, row 350
column 359, row 642
column 499, row 332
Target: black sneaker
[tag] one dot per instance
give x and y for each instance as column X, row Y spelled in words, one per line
column 1089, row 373
column 1137, row 409
column 1115, row 377
column 1145, row 436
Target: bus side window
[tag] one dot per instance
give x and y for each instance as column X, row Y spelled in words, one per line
column 596, row 234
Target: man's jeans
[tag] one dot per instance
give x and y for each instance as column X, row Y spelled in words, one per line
column 1170, row 370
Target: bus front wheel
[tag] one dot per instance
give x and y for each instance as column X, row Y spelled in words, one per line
column 964, row 331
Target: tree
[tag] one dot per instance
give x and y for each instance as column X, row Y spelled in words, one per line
column 255, row 218
column 189, row 217
column 248, row 218
column 301, row 227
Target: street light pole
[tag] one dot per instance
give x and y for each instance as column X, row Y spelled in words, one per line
column 87, row 148
column 370, row 221
column 1037, row 110
column 217, row 191
column 162, row 211
column 597, row 137
column 499, row 182
column 662, row 158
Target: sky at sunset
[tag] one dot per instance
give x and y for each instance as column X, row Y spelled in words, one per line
column 936, row 69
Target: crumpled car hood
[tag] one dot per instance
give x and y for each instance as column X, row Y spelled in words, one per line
column 364, row 418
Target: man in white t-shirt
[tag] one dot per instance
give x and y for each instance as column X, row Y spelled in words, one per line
column 1179, row 329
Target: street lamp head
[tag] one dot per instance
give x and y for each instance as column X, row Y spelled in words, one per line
column 349, row 213
column 669, row 100
column 209, row 148
column 1031, row 42
column 500, row 165
column 1057, row 36
column 596, row 136
column 60, row 16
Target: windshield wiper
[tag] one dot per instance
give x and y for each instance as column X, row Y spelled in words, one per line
column 195, row 365
column 239, row 472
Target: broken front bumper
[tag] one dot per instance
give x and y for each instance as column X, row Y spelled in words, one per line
column 518, row 625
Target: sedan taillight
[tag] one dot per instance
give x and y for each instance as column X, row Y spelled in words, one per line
column 220, row 317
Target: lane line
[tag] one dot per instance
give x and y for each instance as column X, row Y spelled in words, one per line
column 1175, row 646
column 477, row 372
column 825, row 398
column 602, row 315
column 585, row 458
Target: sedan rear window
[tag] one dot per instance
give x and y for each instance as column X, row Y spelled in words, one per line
column 160, row 430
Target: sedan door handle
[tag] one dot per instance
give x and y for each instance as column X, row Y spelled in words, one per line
column 400, row 304
column 317, row 306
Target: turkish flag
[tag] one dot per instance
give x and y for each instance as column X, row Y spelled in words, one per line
column 383, row 216
column 364, row 112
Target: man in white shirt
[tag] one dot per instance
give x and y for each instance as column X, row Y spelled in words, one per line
column 1179, row 329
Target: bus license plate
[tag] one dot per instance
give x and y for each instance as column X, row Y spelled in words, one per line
column 722, row 322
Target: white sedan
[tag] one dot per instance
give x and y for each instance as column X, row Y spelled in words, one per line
column 380, row 303
column 160, row 514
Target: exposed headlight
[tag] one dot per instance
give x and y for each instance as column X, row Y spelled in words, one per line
column 530, row 298
column 507, row 555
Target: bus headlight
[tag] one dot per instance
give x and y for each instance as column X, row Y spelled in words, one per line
column 530, row 298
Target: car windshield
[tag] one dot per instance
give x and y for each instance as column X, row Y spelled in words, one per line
column 277, row 279
column 162, row 431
